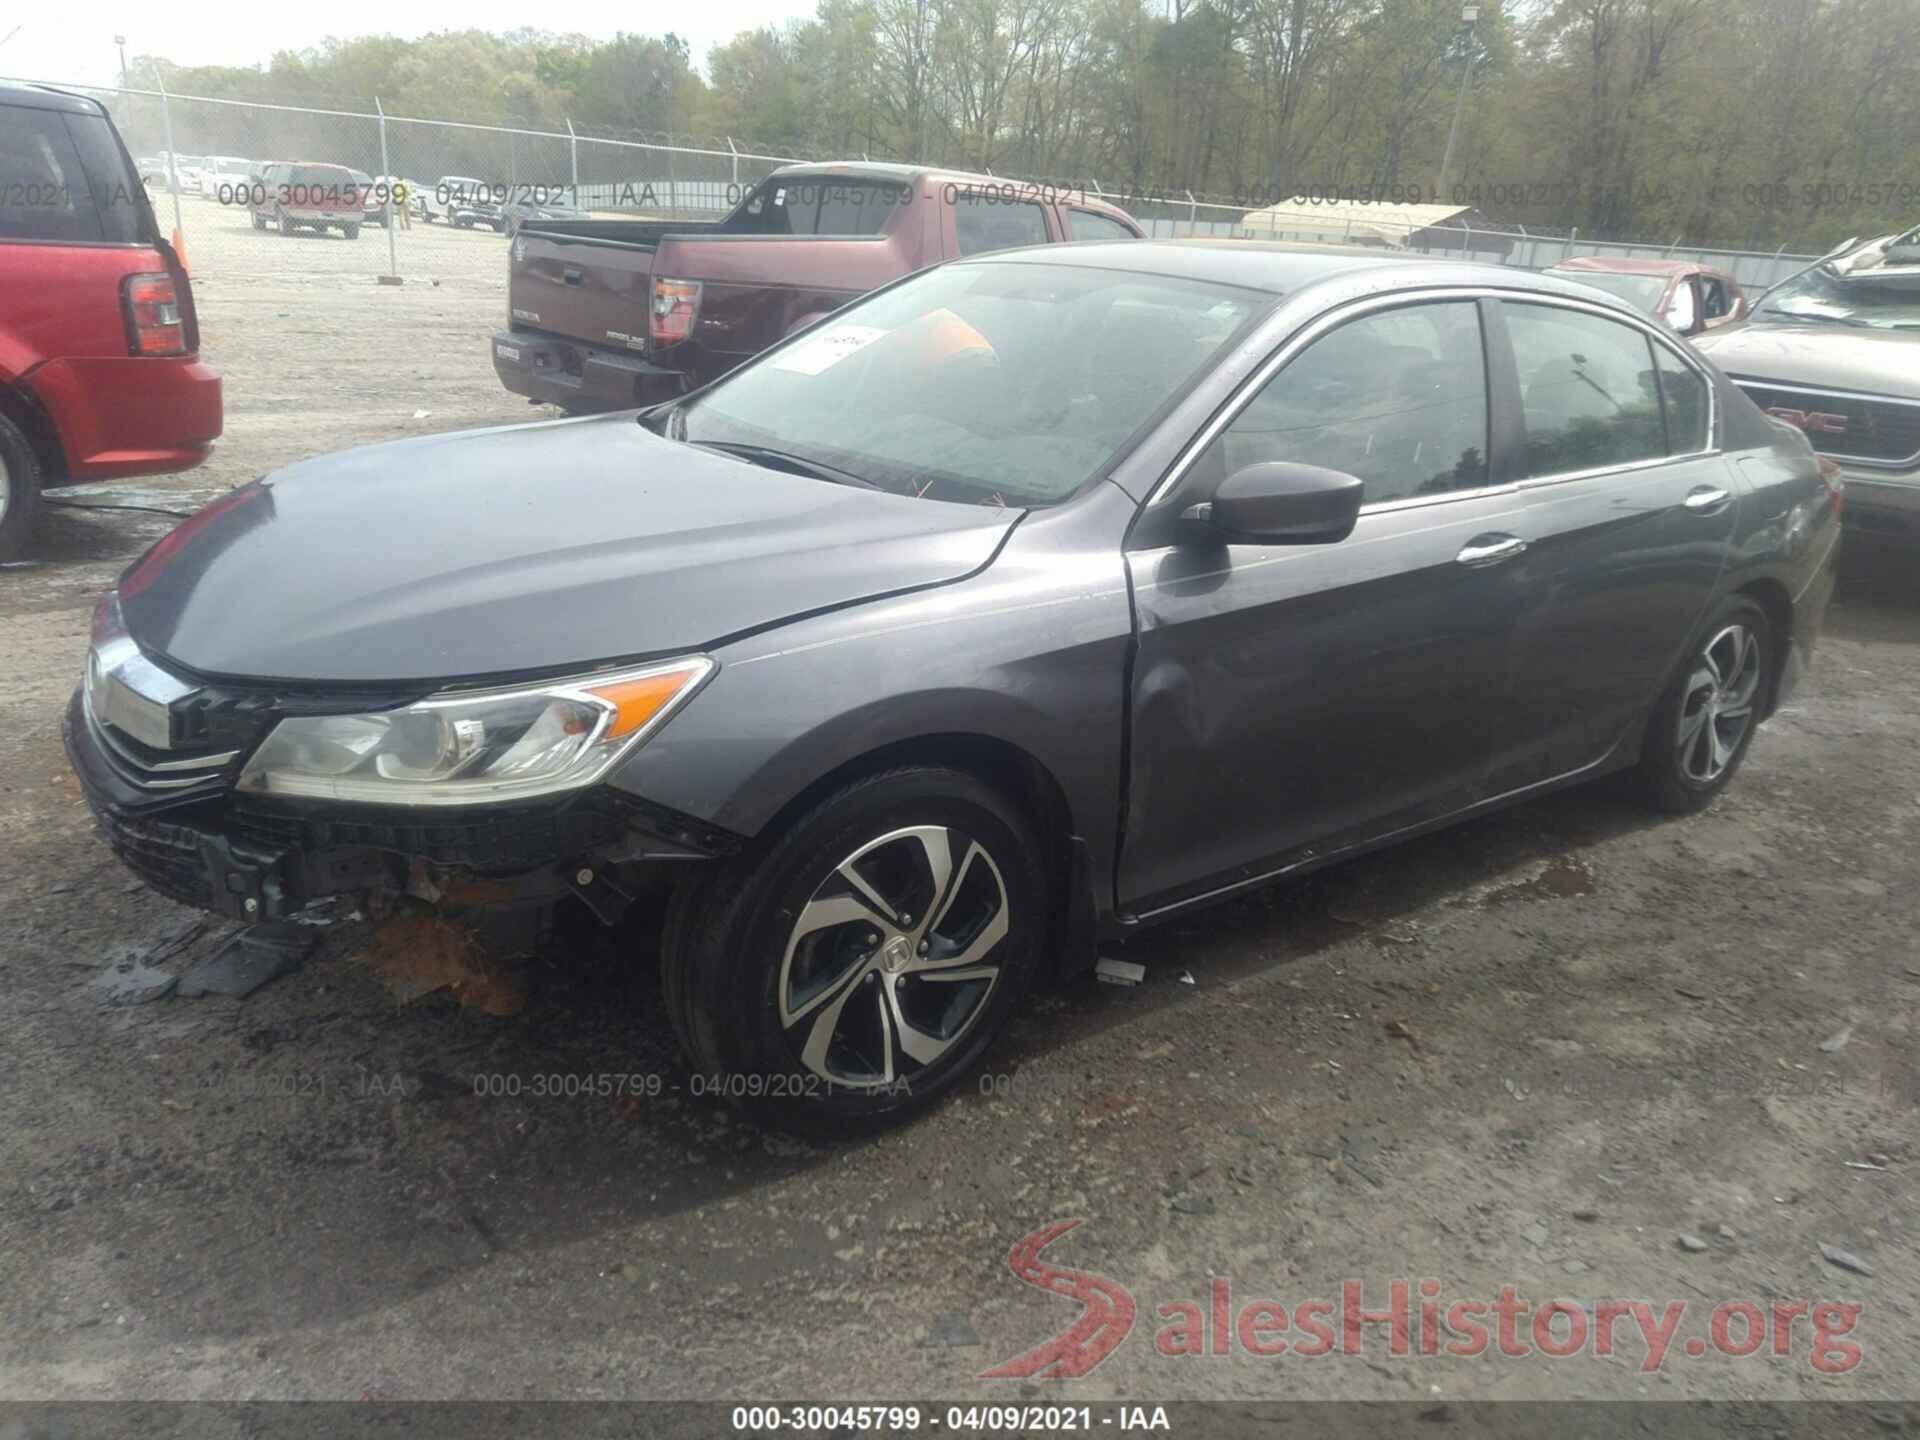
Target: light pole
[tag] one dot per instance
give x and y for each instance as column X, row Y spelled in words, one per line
column 1468, row 15
column 121, row 42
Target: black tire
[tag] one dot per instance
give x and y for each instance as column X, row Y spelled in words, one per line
column 287, row 227
column 19, row 489
column 258, row 223
column 352, row 232
column 1681, row 774
column 727, row 941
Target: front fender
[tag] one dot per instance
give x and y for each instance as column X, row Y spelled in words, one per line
column 1030, row 653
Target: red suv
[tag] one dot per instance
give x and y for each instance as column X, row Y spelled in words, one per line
column 100, row 375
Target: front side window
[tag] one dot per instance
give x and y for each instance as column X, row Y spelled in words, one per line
column 1397, row 398
column 983, row 222
column 1587, row 390
column 998, row 383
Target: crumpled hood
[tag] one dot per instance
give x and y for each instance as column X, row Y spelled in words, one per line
column 1827, row 357
column 530, row 548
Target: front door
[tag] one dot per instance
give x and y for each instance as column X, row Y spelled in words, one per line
column 1291, row 700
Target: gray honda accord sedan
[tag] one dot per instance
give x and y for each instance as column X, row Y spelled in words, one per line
column 1026, row 602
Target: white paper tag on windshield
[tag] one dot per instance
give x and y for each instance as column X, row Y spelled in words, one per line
column 832, row 345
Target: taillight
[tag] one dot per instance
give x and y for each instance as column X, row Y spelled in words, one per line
column 675, row 304
column 155, row 325
column 1836, row 482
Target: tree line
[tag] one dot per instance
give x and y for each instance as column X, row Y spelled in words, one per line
column 1746, row 123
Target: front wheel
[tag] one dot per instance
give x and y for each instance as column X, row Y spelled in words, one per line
column 287, row 227
column 1704, row 723
column 352, row 232
column 258, row 222
column 847, row 975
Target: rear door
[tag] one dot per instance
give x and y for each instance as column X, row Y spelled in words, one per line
column 1631, row 508
column 1290, row 701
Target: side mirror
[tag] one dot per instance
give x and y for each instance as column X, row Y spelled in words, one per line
column 1279, row 503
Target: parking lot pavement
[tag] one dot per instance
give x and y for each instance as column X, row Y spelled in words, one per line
column 1566, row 1049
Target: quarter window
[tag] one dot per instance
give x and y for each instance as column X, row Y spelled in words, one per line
column 1684, row 393
column 1398, row 399
column 984, row 222
column 1587, row 390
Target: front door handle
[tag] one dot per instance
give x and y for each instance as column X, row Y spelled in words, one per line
column 1707, row 499
column 572, row 276
column 1490, row 549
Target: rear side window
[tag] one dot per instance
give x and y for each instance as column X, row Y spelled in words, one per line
column 1085, row 225
column 1684, row 392
column 1398, row 399
column 43, row 187
column 985, row 222
column 1587, row 390
column 806, row 206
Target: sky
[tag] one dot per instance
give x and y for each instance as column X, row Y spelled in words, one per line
column 74, row 42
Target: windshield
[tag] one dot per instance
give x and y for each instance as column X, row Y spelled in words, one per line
column 1641, row 291
column 996, row 383
column 1879, row 299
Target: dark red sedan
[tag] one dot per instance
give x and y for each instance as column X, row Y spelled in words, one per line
column 1691, row 297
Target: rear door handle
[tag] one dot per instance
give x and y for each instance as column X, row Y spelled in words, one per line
column 1490, row 549
column 1707, row 499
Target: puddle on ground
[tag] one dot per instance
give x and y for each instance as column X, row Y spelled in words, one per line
column 1561, row 878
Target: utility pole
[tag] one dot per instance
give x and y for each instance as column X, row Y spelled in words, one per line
column 121, row 42
column 1469, row 13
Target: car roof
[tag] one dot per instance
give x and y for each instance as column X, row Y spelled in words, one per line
column 41, row 97
column 1630, row 265
column 1284, row 268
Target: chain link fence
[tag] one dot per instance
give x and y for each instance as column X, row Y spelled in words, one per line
column 203, row 160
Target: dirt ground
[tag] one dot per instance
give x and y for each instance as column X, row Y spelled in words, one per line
column 1536, row 1051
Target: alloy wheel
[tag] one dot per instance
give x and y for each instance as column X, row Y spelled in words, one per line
column 1717, row 707
column 892, row 960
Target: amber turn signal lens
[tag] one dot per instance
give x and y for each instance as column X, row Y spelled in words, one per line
column 635, row 702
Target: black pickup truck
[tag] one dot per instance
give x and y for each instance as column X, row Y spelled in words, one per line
column 608, row 314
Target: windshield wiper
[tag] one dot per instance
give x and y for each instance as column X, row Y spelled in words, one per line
column 781, row 460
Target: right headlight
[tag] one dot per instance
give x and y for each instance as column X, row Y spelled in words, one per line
column 467, row 748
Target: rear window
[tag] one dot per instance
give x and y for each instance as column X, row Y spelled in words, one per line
column 828, row 206
column 1085, row 225
column 62, row 178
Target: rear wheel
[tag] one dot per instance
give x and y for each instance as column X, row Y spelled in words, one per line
column 19, row 489
column 846, row 976
column 1703, row 725
column 352, row 232
column 287, row 227
column 258, row 223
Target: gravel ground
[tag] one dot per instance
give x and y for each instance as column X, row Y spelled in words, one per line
column 1537, row 1051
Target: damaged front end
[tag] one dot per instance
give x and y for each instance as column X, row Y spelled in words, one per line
column 263, row 803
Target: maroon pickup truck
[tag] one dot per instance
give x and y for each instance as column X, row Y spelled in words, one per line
column 608, row 314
